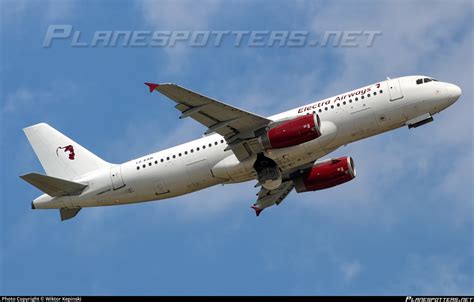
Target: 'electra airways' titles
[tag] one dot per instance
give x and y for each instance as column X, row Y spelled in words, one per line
column 281, row 152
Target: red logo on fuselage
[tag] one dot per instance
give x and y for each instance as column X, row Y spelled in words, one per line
column 68, row 148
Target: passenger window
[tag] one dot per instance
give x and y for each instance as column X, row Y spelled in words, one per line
column 350, row 101
column 357, row 99
column 326, row 108
column 222, row 141
column 185, row 152
column 381, row 91
column 362, row 97
column 320, row 110
column 179, row 154
column 138, row 168
column 419, row 81
column 192, row 151
column 215, row 143
column 344, row 102
column 368, row 95
column 168, row 158
column 144, row 166
column 197, row 149
column 156, row 162
column 375, row 93
column 161, row 160
column 210, row 145
column 174, row 156
column 338, row 104
column 332, row 106
column 149, row 164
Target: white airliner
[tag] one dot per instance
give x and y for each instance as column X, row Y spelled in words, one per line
column 280, row 152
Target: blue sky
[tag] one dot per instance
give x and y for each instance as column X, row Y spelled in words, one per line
column 403, row 226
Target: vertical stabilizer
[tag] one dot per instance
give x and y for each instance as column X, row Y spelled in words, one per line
column 59, row 155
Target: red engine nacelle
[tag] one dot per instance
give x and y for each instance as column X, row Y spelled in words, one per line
column 326, row 174
column 292, row 132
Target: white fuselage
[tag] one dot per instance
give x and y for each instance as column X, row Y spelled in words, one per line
column 202, row 163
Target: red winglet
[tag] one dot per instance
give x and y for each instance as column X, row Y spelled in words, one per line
column 152, row 86
column 257, row 210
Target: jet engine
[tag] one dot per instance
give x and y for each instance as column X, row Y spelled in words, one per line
column 292, row 132
column 326, row 174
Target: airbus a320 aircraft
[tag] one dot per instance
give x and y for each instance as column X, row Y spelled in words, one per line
column 281, row 152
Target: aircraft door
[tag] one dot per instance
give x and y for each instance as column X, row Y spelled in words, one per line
column 394, row 89
column 116, row 176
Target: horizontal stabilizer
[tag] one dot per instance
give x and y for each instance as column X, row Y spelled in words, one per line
column 53, row 186
column 68, row 213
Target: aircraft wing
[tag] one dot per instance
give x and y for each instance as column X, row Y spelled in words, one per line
column 234, row 124
column 268, row 198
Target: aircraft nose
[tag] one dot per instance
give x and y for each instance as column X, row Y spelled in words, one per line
column 454, row 92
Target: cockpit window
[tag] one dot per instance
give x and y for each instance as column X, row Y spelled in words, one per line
column 427, row 80
column 434, row 80
column 419, row 81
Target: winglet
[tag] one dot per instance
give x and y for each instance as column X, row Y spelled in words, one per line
column 257, row 210
column 152, row 86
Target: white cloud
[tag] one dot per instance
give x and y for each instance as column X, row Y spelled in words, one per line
column 403, row 47
column 15, row 11
column 351, row 269
column 24, row 98
column 59, row 10
column 213, row 202
column 436, row 275
column 178, row 15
